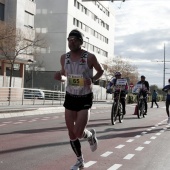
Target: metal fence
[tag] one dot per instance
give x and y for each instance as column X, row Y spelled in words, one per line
column 26, row 96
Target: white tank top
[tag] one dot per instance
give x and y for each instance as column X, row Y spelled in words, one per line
column 76, row 72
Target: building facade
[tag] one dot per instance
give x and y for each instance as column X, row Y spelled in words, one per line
column 55, row 19
column 21, row 13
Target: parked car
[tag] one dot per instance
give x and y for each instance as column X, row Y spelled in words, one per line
column 33, row 94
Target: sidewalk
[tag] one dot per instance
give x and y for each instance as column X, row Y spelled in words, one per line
column 28, row 110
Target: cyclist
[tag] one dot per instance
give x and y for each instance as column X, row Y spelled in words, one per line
column 167, row 90
column 144, row 91
column 124, row 92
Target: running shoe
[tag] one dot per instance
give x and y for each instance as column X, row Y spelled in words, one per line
column 79, row 165
column 93, row 140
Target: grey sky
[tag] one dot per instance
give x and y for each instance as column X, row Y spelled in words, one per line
column 142, row 29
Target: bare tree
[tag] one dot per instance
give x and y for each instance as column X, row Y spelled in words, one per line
column 16, row 43
column 118, row 64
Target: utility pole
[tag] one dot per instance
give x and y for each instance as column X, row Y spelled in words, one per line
column 164, row 61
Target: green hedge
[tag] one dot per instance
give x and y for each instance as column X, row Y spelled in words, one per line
column 131, row 98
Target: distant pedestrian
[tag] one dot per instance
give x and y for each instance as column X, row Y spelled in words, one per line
column 167, row 90
column 154, row 98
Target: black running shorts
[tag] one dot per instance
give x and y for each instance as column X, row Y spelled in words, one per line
column 78, row 102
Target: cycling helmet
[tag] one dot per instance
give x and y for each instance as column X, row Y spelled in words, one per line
column 118, row 73
column 142, row 76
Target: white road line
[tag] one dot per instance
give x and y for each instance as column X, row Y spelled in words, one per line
column 139, row 148
column 137, row 136
column 129, row 156
column 161, row 131
column 16, row 123
column 159, row 123
column 130, row 140
column 115, row 167
column 22, row 120
column 90, row 163
column 153, row 127
column 149, row 129
column 147, row 142
column 7, row 122
column 120, row 146
column 153, row 137
column 144, row 132
column 44, row 119
column 32, row 121
column 158, row 134
column 106, row 154
column 2, row 124
column 165, row 128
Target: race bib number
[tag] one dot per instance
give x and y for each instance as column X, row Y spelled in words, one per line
column 75, row 80
column 121, row 82
column 138, row 86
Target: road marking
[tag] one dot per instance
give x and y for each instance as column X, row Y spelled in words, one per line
column 120, row 146
column 162, row 131
column 130, row 140
column 106, row 154
column 22, row 120
column 139, row 148
column 44, row 119
column 153, row 137
column 7, row 122
column 153, row 127
column 165, row 128
column 2, row 124
column 90, row 163
column 137, row 136
column 144, row 132
column 115, row 167
column 16, row 123
column 32, row 121
column 129, row 156
column 158, row 134
column 147, row 142
column 149, row 129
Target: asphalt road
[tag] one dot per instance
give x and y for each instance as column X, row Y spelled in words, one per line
column 40, row 142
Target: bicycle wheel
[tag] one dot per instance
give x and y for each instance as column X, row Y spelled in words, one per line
column 139, row 110
column 143, row 108
column 113, row 114
column 120, row 112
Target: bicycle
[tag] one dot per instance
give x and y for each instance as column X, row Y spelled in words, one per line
column 140, row 101
column 117, row 108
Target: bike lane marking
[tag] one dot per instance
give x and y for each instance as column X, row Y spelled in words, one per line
column 120, row 146
column 130, row 140
column 106, row 154
column 90, row 163
column 115, row 167
column 129, row 156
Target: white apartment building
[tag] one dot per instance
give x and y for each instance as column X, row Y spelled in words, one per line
column 20, row 12
column 56, row 18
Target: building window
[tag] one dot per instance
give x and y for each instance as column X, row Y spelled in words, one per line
column 2, row 7
column 29, row 19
